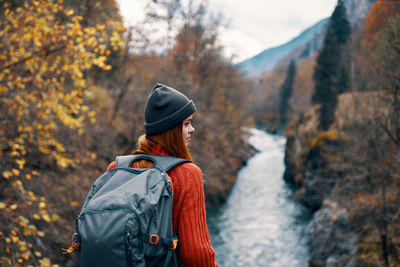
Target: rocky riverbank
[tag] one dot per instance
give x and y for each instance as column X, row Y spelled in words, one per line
column 339, row 174
column 220, row 175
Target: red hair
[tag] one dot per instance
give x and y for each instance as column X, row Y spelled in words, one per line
column 170, row 140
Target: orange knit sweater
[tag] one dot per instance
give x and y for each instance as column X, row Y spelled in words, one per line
column 189, row 214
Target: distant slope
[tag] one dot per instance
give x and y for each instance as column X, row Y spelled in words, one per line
column 258, row 65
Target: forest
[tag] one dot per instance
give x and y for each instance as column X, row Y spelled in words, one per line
column 339, row 109
column 74, row 81
column 73, row 85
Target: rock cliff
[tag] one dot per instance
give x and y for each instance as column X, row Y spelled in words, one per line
column 328, row 169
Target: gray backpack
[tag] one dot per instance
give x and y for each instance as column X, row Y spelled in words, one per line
column 126, row 219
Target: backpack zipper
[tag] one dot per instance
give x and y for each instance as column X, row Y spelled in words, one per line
column 128, row 249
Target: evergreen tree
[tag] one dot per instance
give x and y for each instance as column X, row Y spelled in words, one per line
column 343, row 80
column 286, row 92
column 330, row 75
column 339, row 23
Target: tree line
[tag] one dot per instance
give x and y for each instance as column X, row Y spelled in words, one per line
column 353, row 144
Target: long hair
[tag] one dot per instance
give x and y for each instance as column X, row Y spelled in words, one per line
column 171, row 141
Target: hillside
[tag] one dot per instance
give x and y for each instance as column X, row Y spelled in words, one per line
column 265, row 61
column 347, row 171
column 267, row 94
column 338, row 174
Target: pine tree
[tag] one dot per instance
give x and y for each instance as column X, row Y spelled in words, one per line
column 286, row 92
column 330, row 75
column 339, row 23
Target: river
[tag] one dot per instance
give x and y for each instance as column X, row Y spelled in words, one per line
column 260, row 224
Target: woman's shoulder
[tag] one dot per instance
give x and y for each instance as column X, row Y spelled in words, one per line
column 188, row 167
column 187, row 173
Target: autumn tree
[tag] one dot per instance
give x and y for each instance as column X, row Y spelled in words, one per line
column 45, row 55
column 195, row 65
column 330, row 74
column 384, row 75
column 379, row 58
column 377, row 200
column 380, row 12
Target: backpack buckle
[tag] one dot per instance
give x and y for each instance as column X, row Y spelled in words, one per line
column 154, row 239
column 174, row 244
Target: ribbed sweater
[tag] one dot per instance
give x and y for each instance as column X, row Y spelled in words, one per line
column 189, row 213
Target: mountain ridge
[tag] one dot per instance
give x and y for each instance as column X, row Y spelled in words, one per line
column 304, row 45
column 266, row 60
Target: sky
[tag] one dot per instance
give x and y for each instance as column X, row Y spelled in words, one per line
column 253, row 25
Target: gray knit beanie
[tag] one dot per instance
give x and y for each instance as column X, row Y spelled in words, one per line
column 165, row 108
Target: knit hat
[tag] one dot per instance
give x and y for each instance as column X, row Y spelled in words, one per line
column 165, row 108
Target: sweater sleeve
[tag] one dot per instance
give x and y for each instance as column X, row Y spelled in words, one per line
column 195, row 246
column 112, row 165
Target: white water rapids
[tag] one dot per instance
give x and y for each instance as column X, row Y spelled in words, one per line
column 260, row 224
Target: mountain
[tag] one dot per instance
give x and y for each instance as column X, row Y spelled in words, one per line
column 265, row 61
column 302, row 46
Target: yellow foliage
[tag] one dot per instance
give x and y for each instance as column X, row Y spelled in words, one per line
column 390, row 197
column 45, row 262
column 15, row 154
column 7, row 174
column 54, row 217
column 32, row 196
column 15, row 172
column 330, row 135
column 46, row 217
column 69, row 12
column 38, row 48
column 44, row 97
column 21, row 163
column 22, row 246
column 17, row 184
column 14, row 238
column 30, row 230
column 40, row 233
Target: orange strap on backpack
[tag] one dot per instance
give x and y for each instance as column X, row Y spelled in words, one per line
column 74, row 245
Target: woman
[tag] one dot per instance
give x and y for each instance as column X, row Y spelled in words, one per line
column 168, row 127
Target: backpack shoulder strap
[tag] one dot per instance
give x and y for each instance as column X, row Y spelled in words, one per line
column 124, row 161
column 167, row 162
column 164, row 163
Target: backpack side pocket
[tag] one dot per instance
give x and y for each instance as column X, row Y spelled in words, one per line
column 109, row 236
